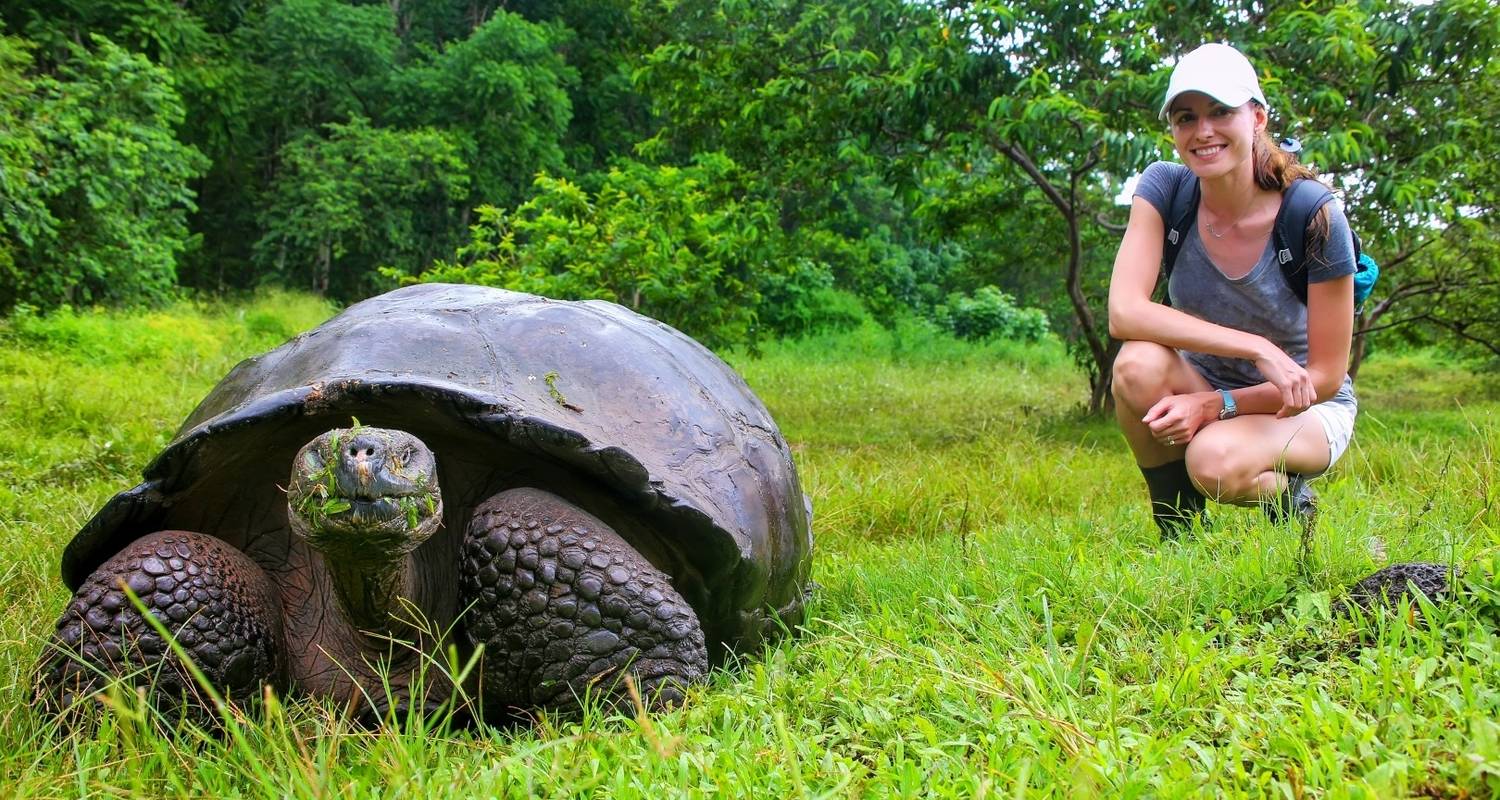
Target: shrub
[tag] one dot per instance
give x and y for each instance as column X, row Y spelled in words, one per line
column 685, row 245
column 990, row 314
column 805, row 302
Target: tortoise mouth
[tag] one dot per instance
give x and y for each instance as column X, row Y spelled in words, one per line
column 407, row 510
column 369, row 527
column 360, row 513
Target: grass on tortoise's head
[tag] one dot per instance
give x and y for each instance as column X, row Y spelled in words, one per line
column 995, row 614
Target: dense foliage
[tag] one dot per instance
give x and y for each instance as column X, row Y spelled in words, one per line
column 95, row 182
column 740, row 168
column 675, row 243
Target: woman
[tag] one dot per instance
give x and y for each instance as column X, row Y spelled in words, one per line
column 1237, row 391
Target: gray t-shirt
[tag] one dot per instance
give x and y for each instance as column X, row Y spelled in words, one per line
column 1261, row 302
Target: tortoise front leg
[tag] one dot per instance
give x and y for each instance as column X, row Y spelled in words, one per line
column 564, row 606
column 217, row 603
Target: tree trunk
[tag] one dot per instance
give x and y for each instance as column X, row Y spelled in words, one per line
column 1362, row 323
column 403, row 23
column 1101, row 383
column 323, row 267
column 1100, row 348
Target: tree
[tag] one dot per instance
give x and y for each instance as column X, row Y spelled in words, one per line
column 1406, row 118
column 24, row 217
column 360, row 199
column 817, row 95
column 502, row 95
column 100, row 180
column 824, row 105
column 1069, row 125
column 322, row 61
column 603, row 45
column 483, row 91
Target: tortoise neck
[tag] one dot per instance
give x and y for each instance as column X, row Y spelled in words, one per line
column 372, row 592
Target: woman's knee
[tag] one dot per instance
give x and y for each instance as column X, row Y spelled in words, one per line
column 1218, row 465
column 1142, row 372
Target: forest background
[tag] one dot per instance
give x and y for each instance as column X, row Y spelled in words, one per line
column 741, row 169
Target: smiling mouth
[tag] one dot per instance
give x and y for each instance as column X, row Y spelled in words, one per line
column 1206, row 152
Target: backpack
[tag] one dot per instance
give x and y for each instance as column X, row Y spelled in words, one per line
column 1299, row 203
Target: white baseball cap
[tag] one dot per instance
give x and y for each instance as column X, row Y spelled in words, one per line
column 1217, row 70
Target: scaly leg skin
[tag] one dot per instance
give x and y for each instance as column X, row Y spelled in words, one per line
column 564, row 607
column 217, row 603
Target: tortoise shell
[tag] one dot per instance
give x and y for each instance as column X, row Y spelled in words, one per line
column 620, row 414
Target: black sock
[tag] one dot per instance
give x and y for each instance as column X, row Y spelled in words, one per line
column 1175, row 501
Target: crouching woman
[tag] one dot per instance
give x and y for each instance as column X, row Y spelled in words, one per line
column 1236, row 390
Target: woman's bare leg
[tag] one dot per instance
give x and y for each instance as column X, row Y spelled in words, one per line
column 1245, row 460
column 1144, row 373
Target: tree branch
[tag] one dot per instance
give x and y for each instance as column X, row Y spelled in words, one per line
column 1103, row 222
column 1461, row 331
column 1022, row 160
column 1392, row 262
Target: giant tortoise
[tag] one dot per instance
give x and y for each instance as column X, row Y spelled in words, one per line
column 572, row 490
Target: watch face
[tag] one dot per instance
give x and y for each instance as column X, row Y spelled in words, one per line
column 1229, row 409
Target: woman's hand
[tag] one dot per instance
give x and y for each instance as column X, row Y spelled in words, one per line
column 1297, row 391
column 1176, row 418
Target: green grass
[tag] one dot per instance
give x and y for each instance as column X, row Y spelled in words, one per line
column 995, row 616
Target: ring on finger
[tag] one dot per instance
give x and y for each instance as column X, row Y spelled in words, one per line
column 1171, row 441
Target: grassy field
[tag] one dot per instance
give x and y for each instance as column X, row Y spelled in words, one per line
column 995, row 614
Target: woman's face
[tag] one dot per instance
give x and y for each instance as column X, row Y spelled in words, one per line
column 1211, row 138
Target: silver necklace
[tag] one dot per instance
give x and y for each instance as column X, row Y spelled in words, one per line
column 1226, row 232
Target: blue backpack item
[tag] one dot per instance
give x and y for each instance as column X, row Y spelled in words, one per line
column 1299, row 203
column 1366, row 272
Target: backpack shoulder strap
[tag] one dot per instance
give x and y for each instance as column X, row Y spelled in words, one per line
column 1182, row 213
column 1299, row 203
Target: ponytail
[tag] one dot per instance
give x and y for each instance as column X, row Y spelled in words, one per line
column 1275, row 169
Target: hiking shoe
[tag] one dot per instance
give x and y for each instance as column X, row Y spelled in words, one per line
column 1297, row 500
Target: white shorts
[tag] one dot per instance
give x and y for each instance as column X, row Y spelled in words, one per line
column 1337, row 416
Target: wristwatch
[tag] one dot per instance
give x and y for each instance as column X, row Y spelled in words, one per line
column 1229, row 410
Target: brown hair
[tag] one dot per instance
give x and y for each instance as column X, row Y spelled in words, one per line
column 1275, row 169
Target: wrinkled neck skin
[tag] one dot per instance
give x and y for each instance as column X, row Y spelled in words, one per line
column 374, row 583
column 374, row 592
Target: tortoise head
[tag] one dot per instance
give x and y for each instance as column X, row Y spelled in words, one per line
column 364, row 494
